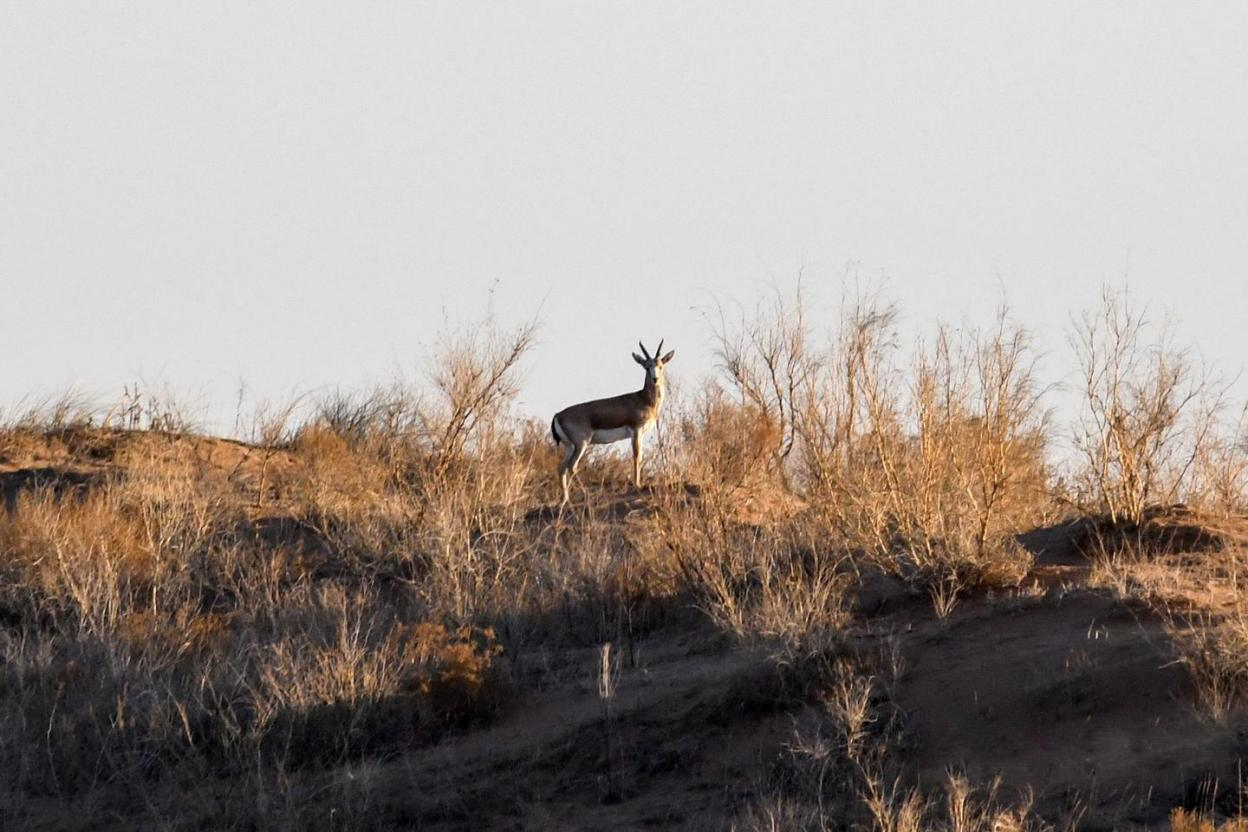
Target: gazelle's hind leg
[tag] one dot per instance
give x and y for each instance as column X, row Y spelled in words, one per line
column 571, row 459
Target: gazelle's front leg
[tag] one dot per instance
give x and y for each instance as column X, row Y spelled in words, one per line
column 637, row 436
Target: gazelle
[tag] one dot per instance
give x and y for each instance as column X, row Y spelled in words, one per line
column 602, row 421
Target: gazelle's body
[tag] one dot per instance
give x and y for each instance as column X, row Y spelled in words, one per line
column 603, row 421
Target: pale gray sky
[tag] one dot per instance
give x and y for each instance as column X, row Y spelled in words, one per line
column 297, row 195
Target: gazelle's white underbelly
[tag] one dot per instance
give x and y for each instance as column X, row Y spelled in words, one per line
column 604, row 437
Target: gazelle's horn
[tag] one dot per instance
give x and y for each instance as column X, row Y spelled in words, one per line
column 659, row 351
column 643, row 351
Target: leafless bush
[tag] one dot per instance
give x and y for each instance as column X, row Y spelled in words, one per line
column 1220, row 469
column 1148, row 412
column 941, row 464
column 475, row 380
column 981, row 436
column 772, row 364
column 724, row 444
column 769, row 584
column 434, row 483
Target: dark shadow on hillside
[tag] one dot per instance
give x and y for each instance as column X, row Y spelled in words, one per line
column 61, row 481
column 1057, row 545
column 1162, row 530
column 687, row 733
column 613, row 502
column 1079, row 698
column 283, row 531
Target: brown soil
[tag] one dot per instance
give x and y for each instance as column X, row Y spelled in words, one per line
column 1073, row 695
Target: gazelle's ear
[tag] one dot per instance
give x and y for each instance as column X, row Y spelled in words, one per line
column 639, row 359
column 668, row 357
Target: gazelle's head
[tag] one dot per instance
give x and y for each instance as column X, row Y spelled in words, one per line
column 654, row 365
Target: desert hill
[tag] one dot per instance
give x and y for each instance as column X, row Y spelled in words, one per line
column 274, row 662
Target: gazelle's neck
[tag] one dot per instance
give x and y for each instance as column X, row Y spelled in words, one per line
column 653, row 391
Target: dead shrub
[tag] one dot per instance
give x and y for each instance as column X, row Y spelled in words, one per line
column 86, row 558
column 475, row 380
column 1150, row 418
column 971, row 471
column 933, row 466
column 43, row 430
column 725, row 444
column 428, row 486
column 839, row 772
column 773, row 364
column 354, row 685
column 1220, row 469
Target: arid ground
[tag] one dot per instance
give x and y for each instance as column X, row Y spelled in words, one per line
column 861, row 589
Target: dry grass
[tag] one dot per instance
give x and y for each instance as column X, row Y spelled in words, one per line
column 1215, row 650
column 1184, row 820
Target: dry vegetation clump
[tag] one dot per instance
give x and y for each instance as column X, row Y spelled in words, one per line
column 929, row 472
column 37, row 431
column 723, row 452
column 774, row 585
column 1152, row 431
column 1186, row 820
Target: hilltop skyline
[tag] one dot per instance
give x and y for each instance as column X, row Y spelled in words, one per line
column 199, row 198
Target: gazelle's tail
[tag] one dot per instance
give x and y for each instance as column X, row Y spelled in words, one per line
column 554, row 431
